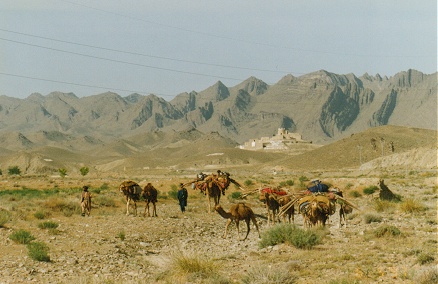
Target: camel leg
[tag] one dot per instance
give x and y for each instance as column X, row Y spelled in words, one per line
column 247, row 228
column 226, row 228
column 254, row 221
column 155, row 210
column 127, row 207
column 238, row 231
column 135, row 208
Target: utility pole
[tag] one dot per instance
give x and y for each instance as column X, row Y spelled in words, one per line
column 382, row 143
column 360, row 154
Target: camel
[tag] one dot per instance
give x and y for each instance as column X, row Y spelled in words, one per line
column 212, row 191
column 315, row 210
column 131, row 190
column 238, row 212
column 282, row 201
column 86, row 203
column 150, row 194
column 274, row 199
column 344, row 209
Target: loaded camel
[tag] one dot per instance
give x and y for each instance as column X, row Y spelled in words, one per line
column 150, row 195
column 344, row 208
column 238, row 212
column 213, row 186
column 131, row 190
column 274, row 199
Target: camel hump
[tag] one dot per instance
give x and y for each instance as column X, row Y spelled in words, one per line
column 129, row 183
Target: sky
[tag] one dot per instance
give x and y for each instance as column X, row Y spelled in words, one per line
column 165, row 48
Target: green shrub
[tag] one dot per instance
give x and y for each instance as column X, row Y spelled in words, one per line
column 370, row 218
column 84, row 171
column 62, row 172
column 21, row 237
column 14, row 170
column 387, row 230
column 424, row 258
column 121, row 235
column 5, row 216
column 354, row 193
column 370, row 190
column 39, row 215
column 38, row 251
column 48, row 225
column 303, row 179
column 248, row 182
column 104, row 186
column 285, row 233
column 235, row 195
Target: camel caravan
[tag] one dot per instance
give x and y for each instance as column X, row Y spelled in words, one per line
column 316, row 204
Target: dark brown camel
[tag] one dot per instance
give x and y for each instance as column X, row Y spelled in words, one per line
column 150, row 195
column 238, row 212
column 315, row 210
column 131, row 190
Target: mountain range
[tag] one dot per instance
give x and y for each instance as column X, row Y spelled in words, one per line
column 323, row 107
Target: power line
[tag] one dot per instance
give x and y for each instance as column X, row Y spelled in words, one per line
column 122, row 62
column 151, row 56
column 242, row 40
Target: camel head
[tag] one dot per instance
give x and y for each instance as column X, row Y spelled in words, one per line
column 218, row 208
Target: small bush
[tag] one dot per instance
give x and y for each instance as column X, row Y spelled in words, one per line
column 191, row 268
column 354, row 193
column 370, row 218
column 48, row 225
column 38, row 251
column 387, row 230
column 424, row 258
column 39, row 215
column 121, row 235
column 284, row 233
column 303, row 179
column 21, row 237
column 370, row 190
column 14, row 170
column 235, row 195
column 411, row 206
column 248, row 182
column 5, row 216
column 104, row 186
column 84, row 171
column 62, row 172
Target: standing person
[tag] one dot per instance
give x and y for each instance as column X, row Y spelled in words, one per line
column 182, row 197
column 85, row 201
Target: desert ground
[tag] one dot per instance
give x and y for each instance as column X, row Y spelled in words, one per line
column 383, row 242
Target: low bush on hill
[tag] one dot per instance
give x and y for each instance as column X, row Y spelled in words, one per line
column 291, row 234
column 21, row 237
column 48, row 225
column 38, row 251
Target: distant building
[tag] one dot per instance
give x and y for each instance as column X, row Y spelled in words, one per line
column 279, row 141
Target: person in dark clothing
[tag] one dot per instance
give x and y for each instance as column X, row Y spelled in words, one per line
column 182, row 197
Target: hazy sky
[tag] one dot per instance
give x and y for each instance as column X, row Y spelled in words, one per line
column 168, row 47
